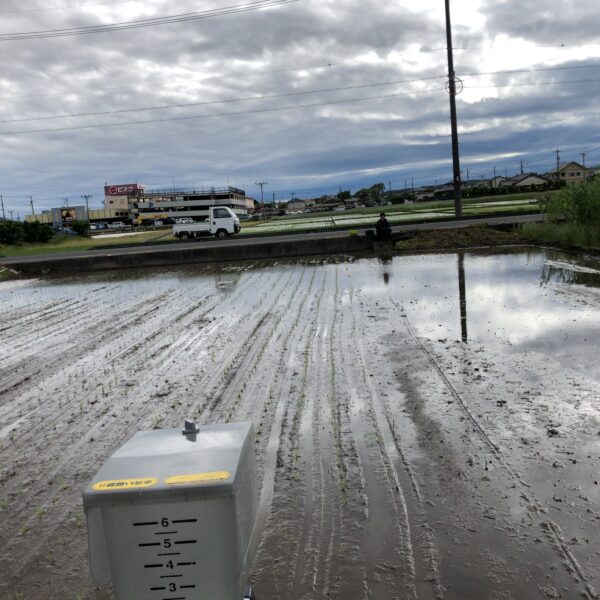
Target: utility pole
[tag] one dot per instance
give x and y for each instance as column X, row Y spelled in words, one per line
column 468, row 174
column 66, row 202
column 494, row 171
column 522, row 167
column 31, row 202
column 10, row 212
column 583, row 164
column 2, row 202
column 262, row 185
column 412, row 184
column 557, row 167
column 86, row 197
column 453, row 117
column 273, row 198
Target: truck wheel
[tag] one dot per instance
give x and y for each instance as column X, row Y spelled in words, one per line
column 183, row 236
column 221, row 234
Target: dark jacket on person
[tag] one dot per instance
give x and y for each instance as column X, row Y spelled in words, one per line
column 383, row 229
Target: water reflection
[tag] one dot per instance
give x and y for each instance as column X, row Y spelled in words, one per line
column 463, row 297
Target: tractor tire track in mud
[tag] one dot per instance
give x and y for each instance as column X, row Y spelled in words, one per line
column 378, row 477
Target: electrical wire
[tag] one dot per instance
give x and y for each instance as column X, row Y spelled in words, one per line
column 152, row 22
column 536, row 84
column 229, row 100
column 535, row 70
column 228, row 114
column 298, row 93
column 65, row 7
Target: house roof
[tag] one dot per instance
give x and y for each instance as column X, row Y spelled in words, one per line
column 522, row 176
column 572, row 163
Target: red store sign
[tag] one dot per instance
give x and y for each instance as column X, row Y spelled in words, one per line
column 122, row 190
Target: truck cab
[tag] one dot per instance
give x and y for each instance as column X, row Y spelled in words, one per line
column 221, row 222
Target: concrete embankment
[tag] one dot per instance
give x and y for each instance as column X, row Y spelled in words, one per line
column 199, row 253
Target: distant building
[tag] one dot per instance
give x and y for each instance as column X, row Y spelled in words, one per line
column 496, row 182
column 149, row 207
column 296, row 204
column 121, row 196
column 572, row 173
column 528, row 181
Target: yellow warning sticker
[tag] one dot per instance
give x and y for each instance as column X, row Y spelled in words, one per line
column 111, row 485
column 198, row 478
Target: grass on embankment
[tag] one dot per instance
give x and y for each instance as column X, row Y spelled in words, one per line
column 467, row 237
column 572, row 218
column 67, row 243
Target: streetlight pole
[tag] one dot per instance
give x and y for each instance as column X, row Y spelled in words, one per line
column 2, row 202
column 453, row 117
column 86, row 197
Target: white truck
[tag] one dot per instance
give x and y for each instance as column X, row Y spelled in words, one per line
column 221, row 222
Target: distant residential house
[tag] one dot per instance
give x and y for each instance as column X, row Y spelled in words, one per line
column 496, row 182
column 572, row 173
column 296, row 204
column 528, row 181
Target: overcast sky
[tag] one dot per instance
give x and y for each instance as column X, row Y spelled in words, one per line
column 309, row 96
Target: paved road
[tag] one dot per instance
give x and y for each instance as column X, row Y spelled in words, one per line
column 248, row 241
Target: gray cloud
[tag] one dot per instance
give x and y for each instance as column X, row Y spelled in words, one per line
column 254, row 54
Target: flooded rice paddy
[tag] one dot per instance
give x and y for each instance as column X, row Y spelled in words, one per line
column 428, row 427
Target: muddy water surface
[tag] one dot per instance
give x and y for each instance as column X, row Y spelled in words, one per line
column 427, row 426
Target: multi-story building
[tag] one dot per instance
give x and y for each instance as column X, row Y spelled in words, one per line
column 121, row 196
column 151, row 207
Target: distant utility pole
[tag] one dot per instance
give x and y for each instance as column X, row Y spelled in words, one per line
column 10, row 212
column 468, row 174
column 66, row 202
column 262, row 185
column 412, row 184
column 2, row 202
column 273, row 197
column 494, row 171
column 453, row 117
column 390, row 186
column 31, row 202
column 557, row 167
column 86, row 197
column 583, row 164
column 522, row 171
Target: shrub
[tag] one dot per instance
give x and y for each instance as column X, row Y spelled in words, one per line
column 81, row 227
column 579, row 204
column 11, row 232
column 37, row 232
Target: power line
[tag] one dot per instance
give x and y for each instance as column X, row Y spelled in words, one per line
column 226, row 101
column 535, row 70
column 152, row 22
column 229, row 114
column 317, row 91
column 536, row 84
column 65, row 7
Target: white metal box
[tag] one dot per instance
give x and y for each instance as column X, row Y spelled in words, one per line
column 171, row 513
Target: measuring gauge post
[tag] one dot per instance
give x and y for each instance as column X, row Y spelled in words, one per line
column 171, row 513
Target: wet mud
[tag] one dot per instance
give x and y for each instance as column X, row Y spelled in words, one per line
column 428, row 427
